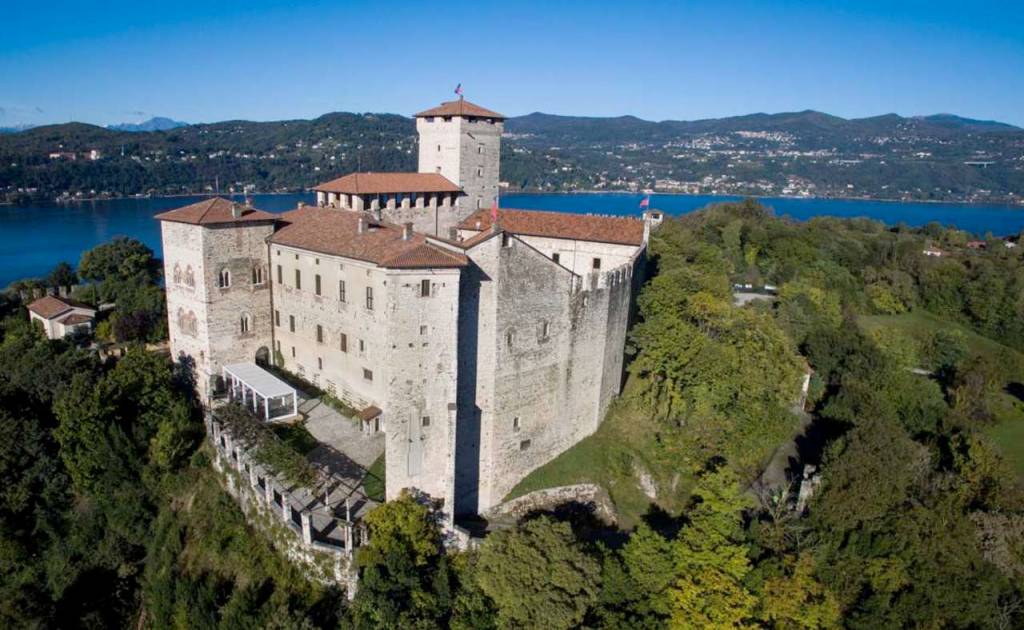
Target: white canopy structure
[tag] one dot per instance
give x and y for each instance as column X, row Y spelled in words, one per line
column 253, row 386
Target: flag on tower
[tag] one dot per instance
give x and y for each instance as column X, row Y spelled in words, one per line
column 645, row 202
column 458, row 89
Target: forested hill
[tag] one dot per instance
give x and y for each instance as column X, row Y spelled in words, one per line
column 940, row 157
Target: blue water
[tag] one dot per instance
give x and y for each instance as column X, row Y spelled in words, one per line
column 35, row 238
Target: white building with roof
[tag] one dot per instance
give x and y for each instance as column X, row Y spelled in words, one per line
column 482, row 342
column 60, row 317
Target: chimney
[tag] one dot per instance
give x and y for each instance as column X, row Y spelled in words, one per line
column 453, row 233
column 236, row 210
column 407, row 232
column 362, row 225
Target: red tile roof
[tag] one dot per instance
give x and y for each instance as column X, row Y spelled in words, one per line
column 460, row 107
column 336, row 232
column 380, row 183
column 581, row 227
column 369, row 413
column 215, row 211
column 72, row 319
column 50, row 306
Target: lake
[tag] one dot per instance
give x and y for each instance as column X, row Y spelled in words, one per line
column 35, row 238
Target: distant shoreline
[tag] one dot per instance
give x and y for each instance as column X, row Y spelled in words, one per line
column 1018, row 205
column 1010, row 204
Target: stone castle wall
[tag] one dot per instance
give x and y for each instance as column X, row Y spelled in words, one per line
column 218, row 338
column 324, row 361
column 467, row 152
column 421, row 381
column 544, row 348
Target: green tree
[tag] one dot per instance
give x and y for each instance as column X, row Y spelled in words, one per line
column 538, row 575
column 62, row 276
column 711, row 559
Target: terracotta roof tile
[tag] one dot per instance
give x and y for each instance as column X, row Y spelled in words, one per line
column 215, row 211
column 582, row 227
column 336, row 232
column 380, row 183
column 50, row 306
column 460, row 107
column 369, row 413
column 72, row 319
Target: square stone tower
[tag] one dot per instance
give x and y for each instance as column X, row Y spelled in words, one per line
column 462, row 141
column 218, row 286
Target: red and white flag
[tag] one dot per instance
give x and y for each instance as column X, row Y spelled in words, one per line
column 458, row 89
column 645, row 202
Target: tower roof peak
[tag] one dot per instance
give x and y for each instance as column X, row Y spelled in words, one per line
column 460, row 107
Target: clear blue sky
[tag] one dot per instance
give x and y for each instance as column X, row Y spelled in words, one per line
column 264, row 60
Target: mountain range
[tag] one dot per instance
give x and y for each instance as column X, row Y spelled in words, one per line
column 157, row 123
column 808, row 153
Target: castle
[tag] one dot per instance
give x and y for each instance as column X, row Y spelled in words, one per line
column 483, row 342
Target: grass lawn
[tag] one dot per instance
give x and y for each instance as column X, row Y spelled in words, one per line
column 1008, row 430
column 608, row 458
column 921, row 325
column 373, row 484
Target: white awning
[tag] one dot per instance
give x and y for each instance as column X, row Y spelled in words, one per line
column 259, row 380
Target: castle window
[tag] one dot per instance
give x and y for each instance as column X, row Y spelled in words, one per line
column 480, row 149
column 556, row 257
column 190, row 276
column 280, row 274
column 177, row 274
column 293, row 352
column 257, row 275
column 447, row 118
column 425, row 288
column 506, row 240
column 298, row 278
column 423, row 330
column 510, row 338
column 439, row 149
column 515, row 423
column 545, row 330
column 597, row 264
column 362, row 346
column 224, row 280
column 316, row 281
column 245, row 323
column 291, row 323
column 439, row 168
column 344, row 342
column 277, row 318
column 425, row 421
column 341, row 290
column 525, row 444
column 479, row 172
column 369, row 298
column 367, row 375
column 319, row 333
column 319, row 363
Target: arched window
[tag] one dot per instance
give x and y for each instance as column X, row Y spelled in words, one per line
column 182, row 321
column 190, row 276
column 224, row 280
column 245, row 323
column 192, row 326
column 257, row 275
column 177, row 273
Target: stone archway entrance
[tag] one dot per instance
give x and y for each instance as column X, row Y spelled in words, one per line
column 263, row 357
